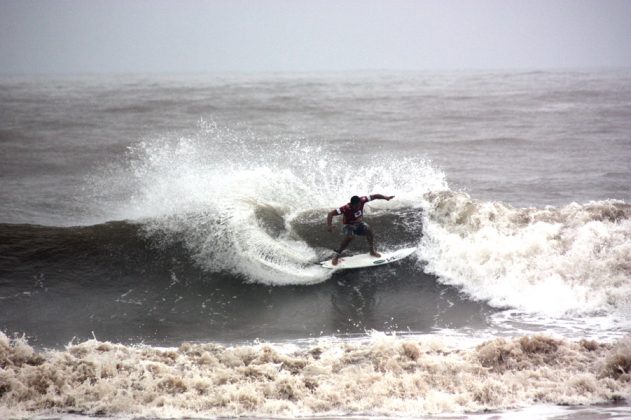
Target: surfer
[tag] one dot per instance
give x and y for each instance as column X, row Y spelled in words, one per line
column 354, row 225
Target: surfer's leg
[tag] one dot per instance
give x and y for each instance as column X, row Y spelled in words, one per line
column 371, row 242
column 347, row 240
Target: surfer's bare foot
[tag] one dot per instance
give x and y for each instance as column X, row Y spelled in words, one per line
column 335, row 260
column 375, row 254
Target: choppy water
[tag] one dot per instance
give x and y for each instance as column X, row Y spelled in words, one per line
column 180, row 217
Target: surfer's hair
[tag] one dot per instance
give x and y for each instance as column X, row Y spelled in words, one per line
column 355, row 200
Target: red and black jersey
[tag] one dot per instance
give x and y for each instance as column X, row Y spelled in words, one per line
column 350, row 214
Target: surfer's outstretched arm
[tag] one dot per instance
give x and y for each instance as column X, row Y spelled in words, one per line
column 381, row 197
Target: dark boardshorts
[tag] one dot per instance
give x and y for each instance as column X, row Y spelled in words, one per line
column 355, row 229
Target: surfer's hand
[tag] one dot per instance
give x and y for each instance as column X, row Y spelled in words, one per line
column 390, row 197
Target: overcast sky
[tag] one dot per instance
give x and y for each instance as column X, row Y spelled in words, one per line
column 60, row 36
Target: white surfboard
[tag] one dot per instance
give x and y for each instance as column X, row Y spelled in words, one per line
column 367, row 260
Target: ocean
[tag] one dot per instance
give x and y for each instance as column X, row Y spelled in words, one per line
column 160, row 238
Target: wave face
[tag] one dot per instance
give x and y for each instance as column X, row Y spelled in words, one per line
column 384, row 375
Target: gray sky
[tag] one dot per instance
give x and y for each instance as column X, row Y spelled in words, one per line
column 60, row 36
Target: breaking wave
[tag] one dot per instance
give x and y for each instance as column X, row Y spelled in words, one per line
column 571, row 259
column 256, row 208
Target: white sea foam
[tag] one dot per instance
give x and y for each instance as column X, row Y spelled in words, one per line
column 382, row 375
column 569, row 260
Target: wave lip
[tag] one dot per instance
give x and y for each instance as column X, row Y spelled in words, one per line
column 384, row 375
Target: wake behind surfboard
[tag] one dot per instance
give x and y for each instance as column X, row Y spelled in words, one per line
column 366, row 260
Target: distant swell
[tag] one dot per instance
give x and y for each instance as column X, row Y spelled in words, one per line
column 381, row 376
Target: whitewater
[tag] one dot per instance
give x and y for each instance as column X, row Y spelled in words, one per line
column 160, row 238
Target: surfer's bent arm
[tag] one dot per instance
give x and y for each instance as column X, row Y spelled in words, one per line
column 381, row 197
column 329, row 218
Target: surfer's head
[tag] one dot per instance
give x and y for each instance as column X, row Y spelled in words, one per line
column 355, row 201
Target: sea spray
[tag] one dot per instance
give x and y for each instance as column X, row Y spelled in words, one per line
column 208, row 190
